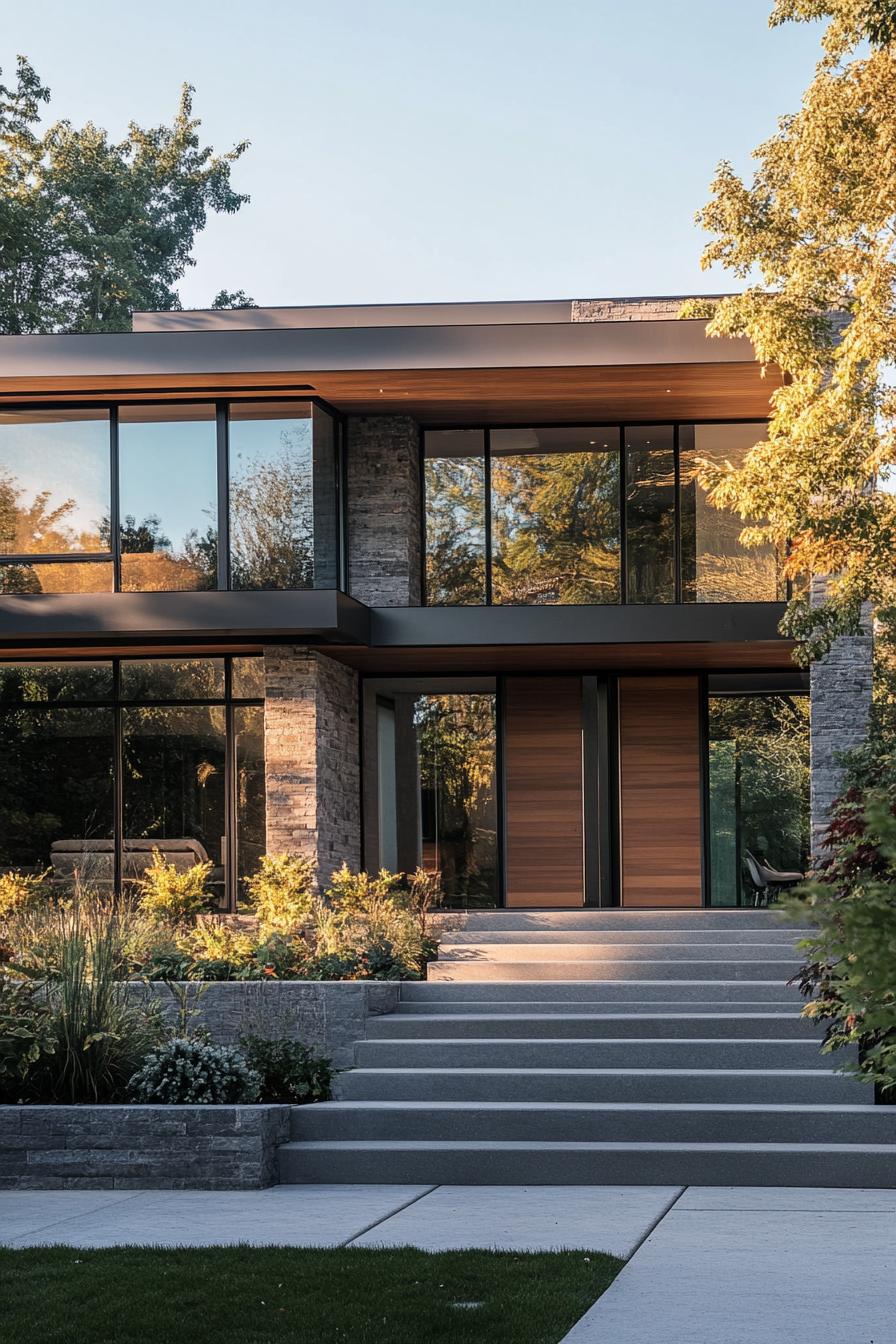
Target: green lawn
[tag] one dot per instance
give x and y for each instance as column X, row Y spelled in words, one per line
column 244, row 1295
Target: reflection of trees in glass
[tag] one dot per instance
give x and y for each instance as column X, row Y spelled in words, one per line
column 650, row 524
column 56, row 781
column 455, row 531
column 39, row 527
column 555, row 528
column 758, row 784
column 173, row 763
column 272, row 518
column 456, row 746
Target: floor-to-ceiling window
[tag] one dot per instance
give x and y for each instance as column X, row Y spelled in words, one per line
column 104, row 760
column 430, row 782
column 169, row 496
column 55, row 501
column 587, row 515
column 758, row 785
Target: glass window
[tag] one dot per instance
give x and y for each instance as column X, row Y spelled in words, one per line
column 54, row 482
column 173, row 777
column 715, row 567
column 248, row 677
column 248, row 730
column 283, row 502
column 169, row 491
column 454, row 479
column 650, row 514
column 430, row 783
column 555, row 516
column 56, row 791
column 172, row 679
column 37, row 683
column 758, row 789
column 64, row 577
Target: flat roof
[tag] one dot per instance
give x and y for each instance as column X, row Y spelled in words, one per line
column 512, row 312
column 574, row 361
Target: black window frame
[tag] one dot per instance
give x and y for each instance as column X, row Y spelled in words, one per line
column 220, row 407
column 620, row 426
column 119, row 704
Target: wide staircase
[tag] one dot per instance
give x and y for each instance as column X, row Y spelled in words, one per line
column 599, row 1047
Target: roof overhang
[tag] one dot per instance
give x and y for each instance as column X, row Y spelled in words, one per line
column 439, row 374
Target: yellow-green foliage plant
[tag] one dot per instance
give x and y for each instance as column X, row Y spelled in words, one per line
column 170, row 895
column 212, row 940
column 361, row 911
column 282, row 893
column 22, row 891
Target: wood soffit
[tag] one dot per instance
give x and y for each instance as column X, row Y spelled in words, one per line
column 454, row 396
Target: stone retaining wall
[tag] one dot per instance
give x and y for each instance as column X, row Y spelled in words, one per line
column 328, row 1015
column 140, row 1147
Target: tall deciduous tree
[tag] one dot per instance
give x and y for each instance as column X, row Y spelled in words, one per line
column 91, row 229
column 814, row 235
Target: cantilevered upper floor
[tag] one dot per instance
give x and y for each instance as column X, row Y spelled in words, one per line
column 430, row 476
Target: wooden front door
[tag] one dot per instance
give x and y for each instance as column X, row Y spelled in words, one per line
column 543, row 791
column 660, row 791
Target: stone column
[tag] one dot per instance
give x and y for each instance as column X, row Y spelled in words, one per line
column 312, row 771
column 840, row 696
column 384, row 518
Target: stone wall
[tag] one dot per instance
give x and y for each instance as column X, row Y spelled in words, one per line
column 327, row 1016
column 384, row 520
column 140, row 1147
column 312, row 770
column 628, row 310
column 840, row 695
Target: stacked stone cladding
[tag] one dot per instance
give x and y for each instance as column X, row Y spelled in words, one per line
column 384, row 510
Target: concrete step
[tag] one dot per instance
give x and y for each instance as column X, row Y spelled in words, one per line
column 521, row 920
column 778, row 971
column 595, row 991
column 731, row 1025
column 425, row 1162
column 589, row 1122
column 592, row 950
column 525, row 1007
column 808, row 1086
column 715, row 936
column 553, row 1052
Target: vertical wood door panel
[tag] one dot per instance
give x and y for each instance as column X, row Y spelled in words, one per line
column 543, row 791
column 659, row 791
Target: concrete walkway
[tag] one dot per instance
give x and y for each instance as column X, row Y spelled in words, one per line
column 757, row 1266
column 436, row 1218
column 711, row 1265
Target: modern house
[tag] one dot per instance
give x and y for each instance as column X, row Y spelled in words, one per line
column 401, row 585
column 439, row 585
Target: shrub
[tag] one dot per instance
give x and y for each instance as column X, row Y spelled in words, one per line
column 21, row 891
column 99, row 1032
column 280, row 957
column 26, row 1036
column 186, row 1072
column 850, row 970
column 380, row 963
column 165, row 964
column 363, row 913
column 289, row 1071
column 332, row 966
column 282, row 892
column 212, row 940
column 170, row 895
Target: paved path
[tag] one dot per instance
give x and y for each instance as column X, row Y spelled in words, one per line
column 437, row 1218
column 710, row 1265
column 757, row 1266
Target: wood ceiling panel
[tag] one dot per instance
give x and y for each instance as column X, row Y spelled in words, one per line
column 463, row 396
column 761, row 656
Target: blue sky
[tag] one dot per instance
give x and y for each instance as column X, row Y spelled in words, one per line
column 408, row 151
